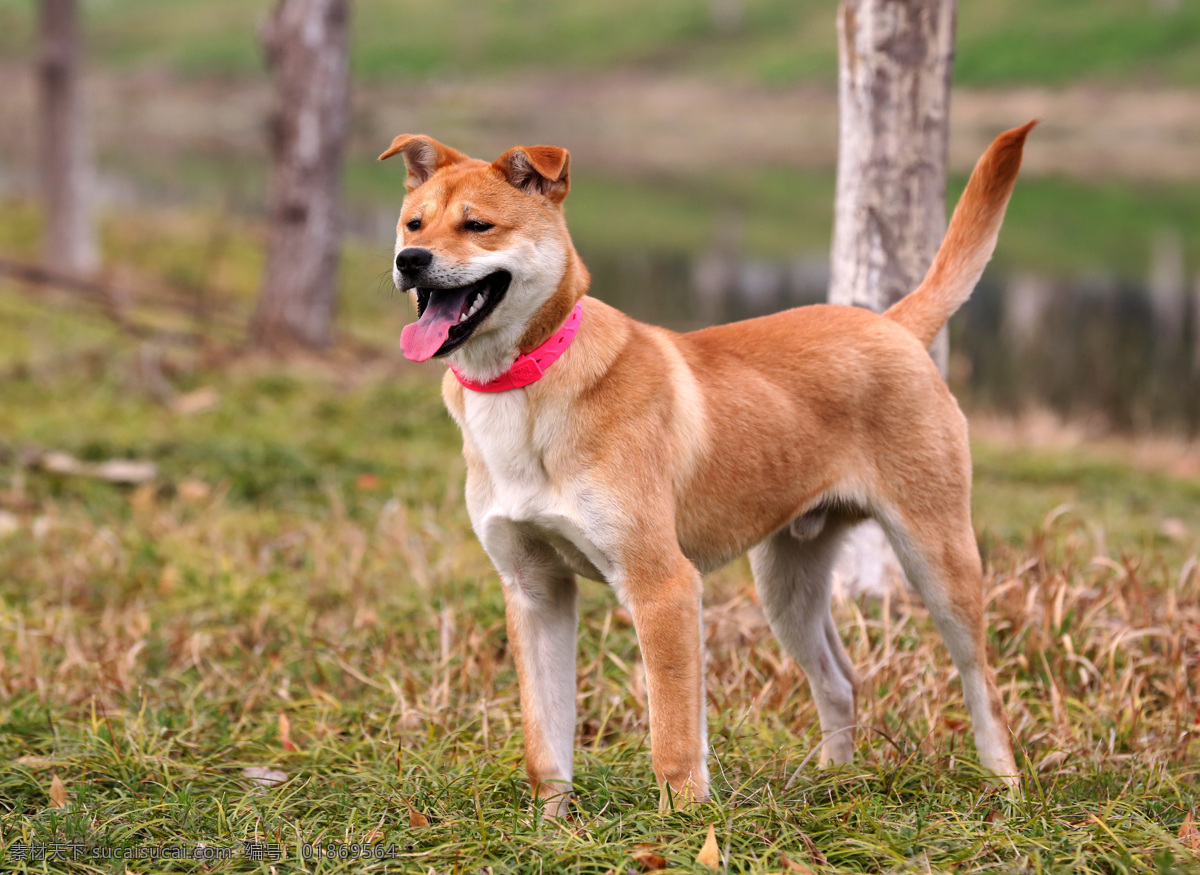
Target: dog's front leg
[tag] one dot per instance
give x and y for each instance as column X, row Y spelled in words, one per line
column 666, row 607
column 540, row 611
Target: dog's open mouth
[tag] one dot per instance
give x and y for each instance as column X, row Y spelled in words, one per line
column 447, row 317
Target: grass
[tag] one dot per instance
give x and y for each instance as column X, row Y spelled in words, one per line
column 776, row 43
column 152, row 638
column 298, row 589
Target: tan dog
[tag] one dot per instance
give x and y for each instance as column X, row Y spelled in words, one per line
column 644, row 458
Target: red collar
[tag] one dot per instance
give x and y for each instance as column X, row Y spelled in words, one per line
column 529, row 367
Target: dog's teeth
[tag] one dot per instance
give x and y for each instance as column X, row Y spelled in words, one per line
column 474, row 309
column 463, row 317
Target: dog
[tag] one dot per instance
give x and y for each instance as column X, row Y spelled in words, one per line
column 626, row 453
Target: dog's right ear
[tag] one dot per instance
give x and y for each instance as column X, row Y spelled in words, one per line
column 424, row 157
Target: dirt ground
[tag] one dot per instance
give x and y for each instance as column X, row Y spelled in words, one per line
column 628, row 125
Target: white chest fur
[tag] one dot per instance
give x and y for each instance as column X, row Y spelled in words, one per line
column 515, row 505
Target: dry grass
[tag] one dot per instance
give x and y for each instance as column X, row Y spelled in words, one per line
column 151, row 638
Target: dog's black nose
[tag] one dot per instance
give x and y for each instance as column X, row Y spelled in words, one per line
column 413, row 258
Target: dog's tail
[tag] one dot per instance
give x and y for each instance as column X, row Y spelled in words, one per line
column 969, row 242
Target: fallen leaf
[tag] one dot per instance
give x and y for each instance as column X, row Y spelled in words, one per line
column 193, row 491
column 1052, row 760
column 124, row 471
column 650, row 861
column 58, row 793
column 415, row 818
column 265, row 777
column 373, row 837
column 114, row 470
column 710, row 854
column 196, row 401
column 285, row 732
column 61, row 463
column 1189, row 836
column 34, row 761
column 1174, row 528
column 367, row 482
column 790, row 865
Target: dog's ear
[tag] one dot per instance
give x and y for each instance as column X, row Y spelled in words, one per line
column 423, row 155
column 537, row 170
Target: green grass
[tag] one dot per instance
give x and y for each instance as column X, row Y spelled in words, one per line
column 777, row 43
column 305, row 552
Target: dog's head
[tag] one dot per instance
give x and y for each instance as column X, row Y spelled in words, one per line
column 484, row 251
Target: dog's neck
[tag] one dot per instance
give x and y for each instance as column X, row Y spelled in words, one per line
column 550, row 317
column 488, row 356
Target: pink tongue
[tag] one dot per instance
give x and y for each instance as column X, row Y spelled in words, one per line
column 421, row 339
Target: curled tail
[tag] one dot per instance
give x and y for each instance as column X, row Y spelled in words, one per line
column 969, row 242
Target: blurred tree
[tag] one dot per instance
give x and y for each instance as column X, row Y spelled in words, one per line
column 67, row 174
column 1196, row 327
column 895, row 58
column 727, row 16
column 307, row 49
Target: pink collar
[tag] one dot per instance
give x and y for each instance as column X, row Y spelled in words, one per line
column 529, row 367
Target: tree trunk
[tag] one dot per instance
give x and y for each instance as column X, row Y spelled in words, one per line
column 1196, row 326
column 307, row 48
column 70, row 240
column 895, row 62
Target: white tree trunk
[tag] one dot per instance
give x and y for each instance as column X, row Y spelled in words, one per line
column 307, row 47
column 727, row 15
column 70, row 239
column 895, row 63
column 1168, row 289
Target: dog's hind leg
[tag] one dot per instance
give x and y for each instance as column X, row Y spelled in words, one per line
column 792, row 577
column 941, row 559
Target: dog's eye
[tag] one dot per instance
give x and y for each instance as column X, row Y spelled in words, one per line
column 413, row 225
column 477, row 226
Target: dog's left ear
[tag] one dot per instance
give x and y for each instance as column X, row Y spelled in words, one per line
column 537, row 170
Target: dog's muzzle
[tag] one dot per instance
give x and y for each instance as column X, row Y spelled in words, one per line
column 447, row 317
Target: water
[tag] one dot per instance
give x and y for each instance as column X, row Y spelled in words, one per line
column 1118, row 353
